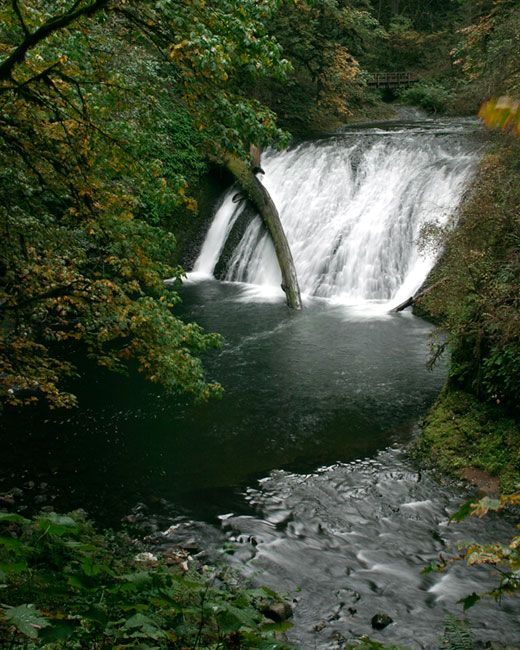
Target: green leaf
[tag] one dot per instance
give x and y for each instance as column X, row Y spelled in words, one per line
column 96, row 614
column 142, row 626
column 138, row 620
column 282, row 626
column 140, row 578
column 57, row 525
column 58, row 632
column 12, row 543
column 26, row 619
column 464, row 511
column 469, row 601
column 79, row 581
column 91, row 568
column 13, row 567
column 15, row 519
column 231, row 618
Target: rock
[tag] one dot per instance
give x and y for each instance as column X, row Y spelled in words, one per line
column 190, row 544
column 278, row 612
column 380, row 621
column 339, row 641
column 320, row 626
column 148, row 559
column 486, row 484
column 129, row 519
column 177, row 557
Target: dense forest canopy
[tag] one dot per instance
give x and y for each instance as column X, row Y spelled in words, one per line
column 106, row 109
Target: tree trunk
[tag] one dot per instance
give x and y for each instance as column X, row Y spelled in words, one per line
column 259, row 196
column 413, row 299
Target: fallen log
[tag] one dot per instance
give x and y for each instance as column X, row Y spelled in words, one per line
column 410, row 302
column 260, row 198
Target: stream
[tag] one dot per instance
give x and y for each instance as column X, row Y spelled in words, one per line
column 300, row 469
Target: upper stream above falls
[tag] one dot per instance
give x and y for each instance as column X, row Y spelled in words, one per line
column 300, row 466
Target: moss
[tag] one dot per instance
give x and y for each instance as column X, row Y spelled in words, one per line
column 474, row 296
column 461, row 432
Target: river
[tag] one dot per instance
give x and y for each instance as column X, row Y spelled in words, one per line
column 300, row 468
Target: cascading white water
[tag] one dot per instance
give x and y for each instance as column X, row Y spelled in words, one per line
column 218, row 232
column 352, row 207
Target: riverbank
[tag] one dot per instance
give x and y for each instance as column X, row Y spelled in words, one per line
column 475, row 301
column 464, row 438
column 64, row 585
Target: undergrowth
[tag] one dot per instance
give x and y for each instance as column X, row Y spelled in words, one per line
column 461, row 432
column 475, row 301
column 63, row 585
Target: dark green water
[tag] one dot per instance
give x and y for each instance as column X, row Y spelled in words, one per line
column 345, row 528
column 302, row 390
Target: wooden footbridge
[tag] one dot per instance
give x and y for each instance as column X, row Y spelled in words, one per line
column 392, row 79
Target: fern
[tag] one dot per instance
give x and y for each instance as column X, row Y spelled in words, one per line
column 456, row 635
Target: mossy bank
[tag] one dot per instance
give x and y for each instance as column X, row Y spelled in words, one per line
column 476, row 302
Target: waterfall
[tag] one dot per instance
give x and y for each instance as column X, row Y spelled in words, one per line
column 353, row 207
column 222, row 224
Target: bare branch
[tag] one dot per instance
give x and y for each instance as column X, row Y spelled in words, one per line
column 17, row 11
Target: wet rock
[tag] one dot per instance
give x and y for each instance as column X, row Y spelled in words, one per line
column 336, row 615
column 339, row 641
column 129, row 519
column 6, row 500
column 380, row 621
column 191, row 544
column 320, row 626
column 177, row 557
column 148, row 559
column 348, row 594
column 278, row 612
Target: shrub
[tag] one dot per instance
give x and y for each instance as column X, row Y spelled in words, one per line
column 66, row 586
column 430, row 95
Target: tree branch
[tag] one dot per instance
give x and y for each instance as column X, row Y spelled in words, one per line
column 16, row 9
column 75, row 287
column 43, row 32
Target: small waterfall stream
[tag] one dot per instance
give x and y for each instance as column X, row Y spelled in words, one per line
column 353, row 206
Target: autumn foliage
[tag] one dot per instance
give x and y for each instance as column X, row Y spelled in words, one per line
column 502, row 113
column 91, row 95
